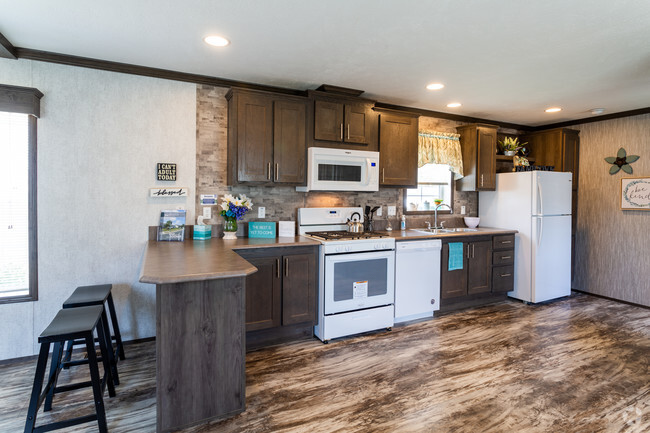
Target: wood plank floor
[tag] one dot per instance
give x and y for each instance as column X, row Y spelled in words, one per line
column 580, row 364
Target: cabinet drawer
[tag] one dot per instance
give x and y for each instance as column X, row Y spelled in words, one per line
column 503, row 242
column 506, row 257
column 503, row 278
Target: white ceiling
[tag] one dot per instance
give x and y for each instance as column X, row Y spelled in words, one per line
column 505, row 60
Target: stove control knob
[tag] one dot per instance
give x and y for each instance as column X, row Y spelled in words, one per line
column 347, row 249
column 339, row 249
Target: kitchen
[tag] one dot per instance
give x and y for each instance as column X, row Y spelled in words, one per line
column 193, row 122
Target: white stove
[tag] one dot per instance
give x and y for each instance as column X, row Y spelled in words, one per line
column 356, row 290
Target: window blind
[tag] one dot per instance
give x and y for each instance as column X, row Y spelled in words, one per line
column 14, row 206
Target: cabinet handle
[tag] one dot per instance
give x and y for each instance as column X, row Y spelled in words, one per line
column 383, row 175
column 348, row 131
column 506, row 275
column 506, row 257
column 286, row 266
column 341, row 132
column 277, row 268
column 472, row 250
column 277, row 171
column 268, row 171
column 468, row 251
column 506, row 242
column 481, row 180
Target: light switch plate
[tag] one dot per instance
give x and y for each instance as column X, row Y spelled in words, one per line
column 462, row 210
column 207, row 212
column 392, row 210
column 261, row 212
column 378, row 212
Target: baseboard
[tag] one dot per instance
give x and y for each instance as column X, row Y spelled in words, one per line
column 612, row 299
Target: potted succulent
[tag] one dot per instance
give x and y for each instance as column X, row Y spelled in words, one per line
column 510, row 146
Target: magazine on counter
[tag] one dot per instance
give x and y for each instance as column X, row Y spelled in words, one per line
column 172, row 225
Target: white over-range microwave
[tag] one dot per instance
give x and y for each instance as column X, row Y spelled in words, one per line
column 341, row 170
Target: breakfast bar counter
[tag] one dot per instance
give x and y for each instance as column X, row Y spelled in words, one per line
column 200, row 326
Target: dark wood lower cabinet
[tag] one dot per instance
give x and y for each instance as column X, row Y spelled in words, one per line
column 474, row 284
column 281, row 295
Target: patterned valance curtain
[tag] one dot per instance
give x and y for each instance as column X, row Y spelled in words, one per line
column 441, row 148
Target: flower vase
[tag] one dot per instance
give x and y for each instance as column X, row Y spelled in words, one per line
column 230, row 228
column 510, row 152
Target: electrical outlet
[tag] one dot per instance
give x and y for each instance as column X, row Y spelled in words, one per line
column 378, row 212
column 261, row 212
column 462, row 210
column 392, row 210
column 207, row 212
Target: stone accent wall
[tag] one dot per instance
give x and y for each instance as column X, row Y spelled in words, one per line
column 282, row 202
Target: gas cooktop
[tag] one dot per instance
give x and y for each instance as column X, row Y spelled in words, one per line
column 342, row 235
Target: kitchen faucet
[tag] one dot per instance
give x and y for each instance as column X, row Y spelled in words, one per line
column 435, row 221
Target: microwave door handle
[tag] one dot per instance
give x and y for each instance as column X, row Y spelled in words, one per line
column 368, row 166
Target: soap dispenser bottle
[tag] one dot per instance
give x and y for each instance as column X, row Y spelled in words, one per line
column 402, row 224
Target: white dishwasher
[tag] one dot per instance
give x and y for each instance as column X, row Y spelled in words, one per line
column 417, row 279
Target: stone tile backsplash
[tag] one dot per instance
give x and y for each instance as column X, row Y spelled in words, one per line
column 282, row 202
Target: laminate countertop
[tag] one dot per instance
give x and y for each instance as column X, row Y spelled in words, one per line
column 177, row 262
column 410, row 234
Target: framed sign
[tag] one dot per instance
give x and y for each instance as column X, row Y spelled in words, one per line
column 635, row 193
column 166, row 171
column 167, row 192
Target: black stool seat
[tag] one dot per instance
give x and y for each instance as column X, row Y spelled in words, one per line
column 72, row 323
column 67, row 325
column 88, row 295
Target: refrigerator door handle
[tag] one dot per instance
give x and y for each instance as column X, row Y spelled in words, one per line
column 540, row 197
column 540, row 231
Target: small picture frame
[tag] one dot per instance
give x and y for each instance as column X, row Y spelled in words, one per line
column 635, row 193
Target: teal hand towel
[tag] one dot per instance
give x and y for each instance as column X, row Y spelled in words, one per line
column 455, row 256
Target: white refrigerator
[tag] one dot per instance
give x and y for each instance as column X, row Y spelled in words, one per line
column 538, row 205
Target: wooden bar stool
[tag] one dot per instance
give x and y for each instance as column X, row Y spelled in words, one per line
column 71, row 324
column 84, row 296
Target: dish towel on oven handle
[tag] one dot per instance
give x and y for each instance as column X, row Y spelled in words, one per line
column 455, row 256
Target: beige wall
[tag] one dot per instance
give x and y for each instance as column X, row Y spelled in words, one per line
column 612, row 246
column 100, row 136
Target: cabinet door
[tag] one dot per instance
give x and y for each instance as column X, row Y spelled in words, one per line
column 298, row 289
column 289, row 142
column 398, row 147
column 264, row 294
column 479, row 269
column 357, row 123
column 452, row 283
column 570, row 156
column 328, row 121
column 254, row 138
column 486, row 167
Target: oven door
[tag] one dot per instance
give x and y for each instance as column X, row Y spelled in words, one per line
column 359, row 280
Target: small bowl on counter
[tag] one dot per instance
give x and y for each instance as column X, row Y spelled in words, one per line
column 471, row 222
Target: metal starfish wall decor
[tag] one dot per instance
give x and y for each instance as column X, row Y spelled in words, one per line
column 621, row 161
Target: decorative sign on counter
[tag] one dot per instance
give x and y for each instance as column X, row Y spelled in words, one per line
column 166, row 171
column 258, row 229
column 168, row 192
column 635, row 193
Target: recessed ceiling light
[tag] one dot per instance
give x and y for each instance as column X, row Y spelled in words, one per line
column 217, row 41
column 454, row 105
column 597, row 110
column 553, row 110
column 435, row 86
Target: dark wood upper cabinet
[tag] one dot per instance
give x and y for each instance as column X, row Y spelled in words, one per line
column 340, row 120
column 479, row 147
column 328, row 121
column 398, row 147
column 289, row 141
column 267, row 139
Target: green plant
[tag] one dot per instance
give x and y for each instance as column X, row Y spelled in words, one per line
column 510, row 144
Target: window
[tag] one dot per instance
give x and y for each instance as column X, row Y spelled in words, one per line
column 18, row 233
column 434, row 183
